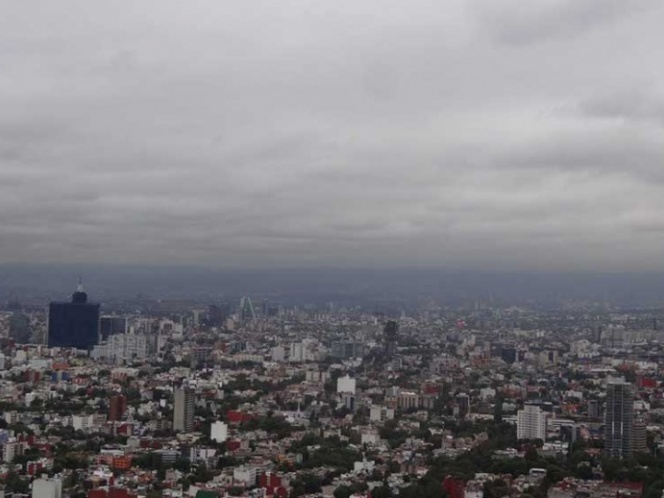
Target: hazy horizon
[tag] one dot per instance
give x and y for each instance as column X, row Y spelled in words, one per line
column 394, row 286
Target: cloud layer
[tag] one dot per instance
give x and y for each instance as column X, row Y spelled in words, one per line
column 481, row 133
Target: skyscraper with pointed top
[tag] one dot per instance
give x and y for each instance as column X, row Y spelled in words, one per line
column 74, row 324
column 247, row 312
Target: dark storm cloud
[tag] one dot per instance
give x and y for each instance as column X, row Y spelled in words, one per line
column 482, row 133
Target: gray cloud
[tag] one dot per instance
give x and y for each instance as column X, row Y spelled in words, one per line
column 522, row 23
column 626, row 105
column 342, row 133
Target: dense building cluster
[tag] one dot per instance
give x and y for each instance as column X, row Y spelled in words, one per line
column 256, row 399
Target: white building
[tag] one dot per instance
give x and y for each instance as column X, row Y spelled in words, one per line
column 47, row 488
column 296, row 353
column 202, row 454
column 29, row 398
column 11, row 449
column 531, row 423
column 11, row 417
column 364, row 466
column 278, row 354
column 379, row 413
column 345, row 385
column 369, row 436
column 303, row 351
column 122, row 348
column 316, row 376
column 219, row 432
column 20, row 357
column 245, row 475
column 82, row 422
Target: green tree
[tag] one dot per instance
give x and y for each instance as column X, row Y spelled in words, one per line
column 343, row 491
column 381, row 492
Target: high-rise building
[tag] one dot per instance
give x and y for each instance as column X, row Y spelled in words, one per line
column 183, row 412
column 123, row 348
column 348, row 400
column 247, row 312
column 391, row 335
column 463, row 403
column 613, row 336
column 112, row 325
column 117, row 407
column 11, row 449
column 593, row 408
column 510, row 354
column 619, row 420
column 74, row 324
column 200, row 355
column 531, row 423
column 217, row 314
column 343, row 350
column 640, row 439
column 19, row 328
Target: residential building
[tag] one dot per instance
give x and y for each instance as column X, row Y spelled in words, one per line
column 47, row 488
column 183, row 412
column 531, row 423
column 219, row 432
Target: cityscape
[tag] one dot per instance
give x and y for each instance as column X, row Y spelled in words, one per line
column 331, row 249
column 249, row 397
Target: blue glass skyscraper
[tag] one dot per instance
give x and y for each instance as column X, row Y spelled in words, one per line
column 74, row 324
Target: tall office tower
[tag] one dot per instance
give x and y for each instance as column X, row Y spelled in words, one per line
column 619, row 420
column 247, row 312
column 112, row 325
column 19, row 328
column 183, row 412
column 391, row 335
column 463, row 403
column 200, row 356
column 74, row 324
column 531, row 423
column 614, row 336
column 117, row 407
column 214, row 316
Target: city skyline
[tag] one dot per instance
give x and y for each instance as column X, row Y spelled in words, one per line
column 487, row 134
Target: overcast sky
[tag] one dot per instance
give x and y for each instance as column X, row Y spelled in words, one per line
column 495, row 134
